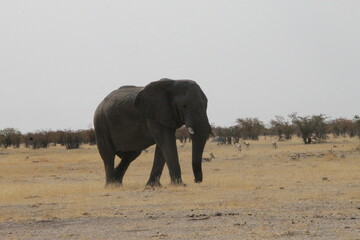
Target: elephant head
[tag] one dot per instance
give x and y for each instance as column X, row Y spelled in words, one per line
column 174, row 104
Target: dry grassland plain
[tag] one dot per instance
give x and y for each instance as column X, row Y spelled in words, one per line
column 296, row 191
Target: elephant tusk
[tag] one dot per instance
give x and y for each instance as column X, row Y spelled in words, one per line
column 191, row 131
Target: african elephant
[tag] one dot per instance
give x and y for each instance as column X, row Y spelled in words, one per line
column 130, row 119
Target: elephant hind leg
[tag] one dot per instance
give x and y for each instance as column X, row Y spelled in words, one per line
column 108, row 159
column 106, row 151
column 126, row 159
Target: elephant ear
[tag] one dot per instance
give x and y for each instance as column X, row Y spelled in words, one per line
column 155, row 102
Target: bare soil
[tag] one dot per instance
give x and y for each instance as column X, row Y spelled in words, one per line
column 296, row 191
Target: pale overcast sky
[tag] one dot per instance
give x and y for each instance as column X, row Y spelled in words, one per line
column 59, row 59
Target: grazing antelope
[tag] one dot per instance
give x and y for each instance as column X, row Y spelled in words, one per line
column 274, row 145
column 209, row 159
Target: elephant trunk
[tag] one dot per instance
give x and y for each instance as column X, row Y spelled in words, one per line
column 197, row 151
column 199, row 136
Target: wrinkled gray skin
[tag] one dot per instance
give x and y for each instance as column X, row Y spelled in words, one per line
column 131, row 119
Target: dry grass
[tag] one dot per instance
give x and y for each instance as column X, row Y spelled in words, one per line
column 294, row 192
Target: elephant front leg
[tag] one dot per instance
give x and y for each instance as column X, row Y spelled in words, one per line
column 156, row 171
column 166, row 142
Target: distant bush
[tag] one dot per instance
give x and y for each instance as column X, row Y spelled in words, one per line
column 39, row 139
column 10, row 137
column 226, row 135
column 282, row 128
column 311, row 128
column 72, row 139
column 343, row 127
column 68, row 138
column 88, row 136
column 250, row 128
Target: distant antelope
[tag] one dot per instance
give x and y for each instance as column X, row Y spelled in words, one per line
column 274, row 145
column 209, row 159
column 238, row 146
column 246, row 144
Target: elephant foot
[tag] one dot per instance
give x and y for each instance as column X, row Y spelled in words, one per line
column 178, row 182
column 153, row 185
column 197, row 180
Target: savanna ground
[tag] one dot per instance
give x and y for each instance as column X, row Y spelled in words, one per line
column 296, row 191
